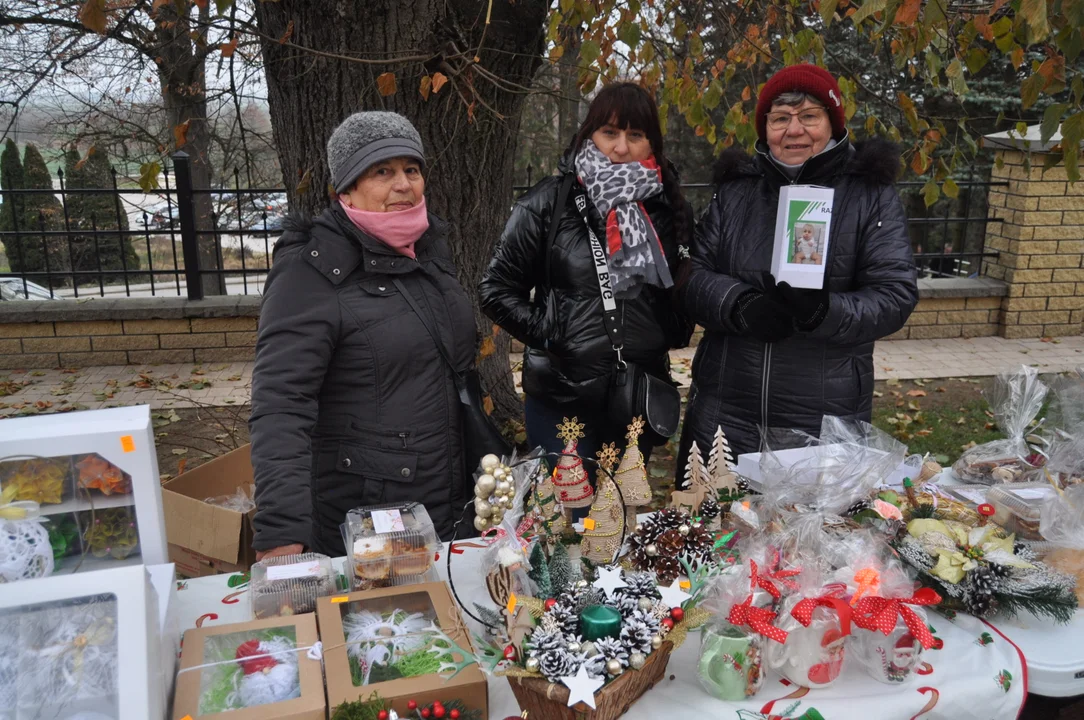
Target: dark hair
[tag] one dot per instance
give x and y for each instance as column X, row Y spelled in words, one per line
column 627, row 105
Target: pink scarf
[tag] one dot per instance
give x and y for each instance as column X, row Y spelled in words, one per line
column 398, row 230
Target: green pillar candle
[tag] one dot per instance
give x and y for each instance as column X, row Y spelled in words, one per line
column 598, row 622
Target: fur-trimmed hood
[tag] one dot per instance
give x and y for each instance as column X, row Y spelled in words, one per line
column 876, row 160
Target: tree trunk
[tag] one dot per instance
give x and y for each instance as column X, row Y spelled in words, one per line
column 568, row 105
column 182, row 75
column 468, row 146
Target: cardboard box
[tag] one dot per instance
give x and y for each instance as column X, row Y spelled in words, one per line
column 70, row 443
column 107, row 620
column 803, row 225
column 435, row 602
column 193, row 679
column 207, row 539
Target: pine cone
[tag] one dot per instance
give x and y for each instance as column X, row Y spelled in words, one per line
column 709, row 509
column 857, row 508
column 638, row 585
column 667, row 569
column 742, row 484
column 672, row 518
column 671, row 543
column 613, row 649
column 982, row 581
column 541, row 642
column 637, row 631
column 978, row 604
column 1001, row 572
column 557, row 664
column 698, row 545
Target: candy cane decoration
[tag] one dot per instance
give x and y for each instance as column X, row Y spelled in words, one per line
column 205, row 616
column 233, row 598
column 924, row 669
column 931, row 703
column 800, row 692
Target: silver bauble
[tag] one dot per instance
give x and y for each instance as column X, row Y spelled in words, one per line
column 656, row 642
column 485, row 485
column 645, row 604
column 481, row 524
column 638, row 529
column 651, row 550
column 588, row 649
column 684, row 529
column 581, row 584
column 637, row 660
column 500, row 473
column 482, row 508
column 531, row 664
column 574, row 647
column 503, row 501
column 613, row 667
column 490, row 463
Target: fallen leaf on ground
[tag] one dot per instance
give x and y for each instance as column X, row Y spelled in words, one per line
column 961, row 421
column 990, row 426
column 892, row 381
column 920, row 383
column 916, row 393
column 878, row 393
column 179, row 451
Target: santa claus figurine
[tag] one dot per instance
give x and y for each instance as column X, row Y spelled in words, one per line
column 269, row 672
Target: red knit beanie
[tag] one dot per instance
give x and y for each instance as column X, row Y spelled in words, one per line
column 810, row 79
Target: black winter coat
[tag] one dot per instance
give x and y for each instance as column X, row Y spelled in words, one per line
column 741, row 383
column 569, row 357
column 352, row 404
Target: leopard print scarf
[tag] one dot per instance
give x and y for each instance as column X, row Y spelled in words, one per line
column 617, row 190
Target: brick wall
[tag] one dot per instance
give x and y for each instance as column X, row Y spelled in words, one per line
column 1040, row 241
column 66, row 333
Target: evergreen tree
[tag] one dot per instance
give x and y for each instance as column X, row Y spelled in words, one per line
column 41, row 212
column 11, row 178
column 87, row 211
column 540, row 571
column 562, row 574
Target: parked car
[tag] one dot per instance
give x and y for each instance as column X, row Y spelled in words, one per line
column 13, row 288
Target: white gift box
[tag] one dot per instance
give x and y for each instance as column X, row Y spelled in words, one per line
column 89, row 646
column 803, row 224
column 67, row 446
column 164, row 581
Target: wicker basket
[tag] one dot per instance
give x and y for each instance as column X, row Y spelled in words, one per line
column 544, row 700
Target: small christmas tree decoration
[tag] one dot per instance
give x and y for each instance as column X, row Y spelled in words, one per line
column 721, row 471
column 697, row 487
column 631, row 475
column 606, row 521
column 569, row 478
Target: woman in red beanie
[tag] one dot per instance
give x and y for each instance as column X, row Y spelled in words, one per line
column 776, row 357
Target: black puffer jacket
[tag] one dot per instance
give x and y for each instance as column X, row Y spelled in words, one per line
column 569, row 356
column 351, row 403
column 740, row 383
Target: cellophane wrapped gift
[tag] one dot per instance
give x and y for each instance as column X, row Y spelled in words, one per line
column 1061, row 525
column 1015, row 398
column 60, row 658
column 730, row 664
column 290, row 584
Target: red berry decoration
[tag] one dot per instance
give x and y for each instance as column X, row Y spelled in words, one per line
column 668, row 623
column 382, row 715
column 454, row 714
column 412, row 705
column 425, row 712
column 550, row 602
column 677, row 614
column 438, row 711
column 510, row 653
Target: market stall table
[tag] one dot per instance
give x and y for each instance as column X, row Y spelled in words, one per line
column 976, row 674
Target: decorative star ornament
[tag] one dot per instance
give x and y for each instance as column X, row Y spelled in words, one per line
column 609, row 580
column 673, row 595
column 581, row 688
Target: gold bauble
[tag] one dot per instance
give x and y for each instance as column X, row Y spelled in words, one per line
column 482, row 508
column 481, row 524
column 490, row 463
column 485, row 485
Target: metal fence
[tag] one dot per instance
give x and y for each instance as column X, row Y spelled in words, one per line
column 178, row 240
column 130, row 242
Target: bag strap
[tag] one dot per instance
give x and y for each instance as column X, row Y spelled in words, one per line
column 425, row 323
column 555, row 220
column 611, row 317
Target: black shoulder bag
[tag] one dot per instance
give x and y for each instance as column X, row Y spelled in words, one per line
column 633, row 391
column 480, row 436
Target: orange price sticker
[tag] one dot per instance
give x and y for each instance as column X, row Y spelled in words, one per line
column 512, row 604
column 127, row 444
column 187, row 717
column 589, row 524
column 685, row 584
column 339, row 599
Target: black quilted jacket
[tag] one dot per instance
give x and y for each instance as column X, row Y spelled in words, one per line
column 743, row 384
column 569, row 357
column 352, row 404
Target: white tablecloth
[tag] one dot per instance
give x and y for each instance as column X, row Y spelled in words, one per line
column 978, row 674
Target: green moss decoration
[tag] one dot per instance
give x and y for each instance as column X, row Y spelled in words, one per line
column 363, row 709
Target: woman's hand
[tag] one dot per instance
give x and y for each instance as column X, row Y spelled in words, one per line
column 294, row 549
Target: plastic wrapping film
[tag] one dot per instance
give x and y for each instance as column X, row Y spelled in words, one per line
column 1015, row 399
column 290, row 584
column 1061, row 525
column 242, row 500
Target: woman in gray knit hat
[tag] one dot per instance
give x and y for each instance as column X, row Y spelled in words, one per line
column 353, row 397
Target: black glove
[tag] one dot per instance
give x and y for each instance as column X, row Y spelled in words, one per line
column 807, row 307
column 760, row 316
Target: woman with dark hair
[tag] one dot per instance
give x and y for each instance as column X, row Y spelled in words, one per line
column 615, row 179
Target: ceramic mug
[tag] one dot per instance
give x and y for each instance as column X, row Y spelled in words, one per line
column 889, row 658
column 730, row 662
column 812, row 656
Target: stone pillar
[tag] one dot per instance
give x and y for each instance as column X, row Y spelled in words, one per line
column 1040, row 241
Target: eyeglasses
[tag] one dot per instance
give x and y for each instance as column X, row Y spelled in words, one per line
column 809, row 118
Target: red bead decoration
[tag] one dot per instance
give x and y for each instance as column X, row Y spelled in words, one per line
column 550, row 602
column 438, row 711
column 412, row 705
column 382, row 715
column 668, row 623
column 454, row 714
column 510, row 653
column 425, row 712
column 677, row 614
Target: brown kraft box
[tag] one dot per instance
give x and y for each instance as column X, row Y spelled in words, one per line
column 469, row 685
column 310, row 706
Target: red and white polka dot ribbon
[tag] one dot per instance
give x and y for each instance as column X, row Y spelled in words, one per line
column 879, row 614
column 757, row 619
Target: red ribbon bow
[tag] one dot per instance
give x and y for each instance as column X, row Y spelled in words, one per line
column 803, row 611
column 878, row 613
column 758, row 620
column 765, row 583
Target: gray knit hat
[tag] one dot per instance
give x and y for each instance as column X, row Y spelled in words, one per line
column 367, row 138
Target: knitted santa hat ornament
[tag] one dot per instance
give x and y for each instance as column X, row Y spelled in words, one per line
column 810, row 79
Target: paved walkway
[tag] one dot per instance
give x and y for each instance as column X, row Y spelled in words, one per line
column 165, row 387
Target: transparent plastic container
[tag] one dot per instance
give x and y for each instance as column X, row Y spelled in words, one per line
column 1017, row 507
column 388, row 545
column 972, row 495
column 290, row 584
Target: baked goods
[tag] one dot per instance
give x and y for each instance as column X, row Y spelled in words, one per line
column 372, row 558
column 412, row 556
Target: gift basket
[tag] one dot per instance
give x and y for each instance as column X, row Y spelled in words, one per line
column 1015, row 399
